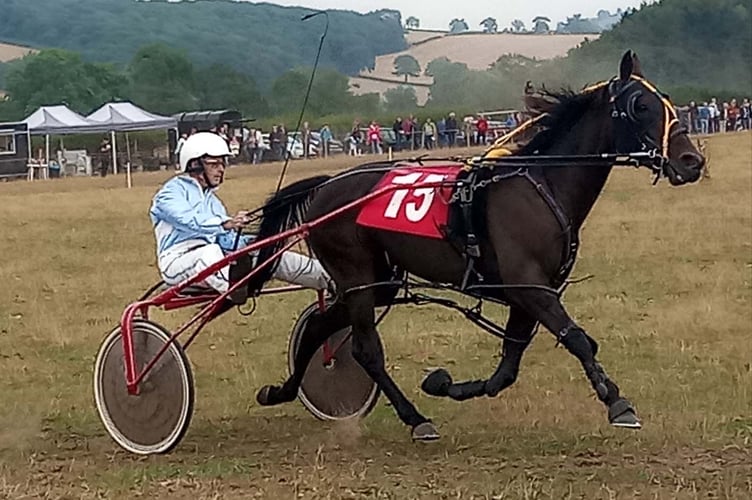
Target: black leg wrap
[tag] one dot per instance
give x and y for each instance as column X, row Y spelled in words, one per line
column 467, row 390
column 593, row 343
column 599, row 379
column 581, row 346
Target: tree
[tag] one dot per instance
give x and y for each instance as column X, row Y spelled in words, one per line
column 406, row 65
column 518, row 26
column 541, row 24
column 57, row 76
column 412, row 22
column 236, row 91
column 330, row 92
column 400, row 99
column 489, row 25
column 458, row 26
column 162, row 80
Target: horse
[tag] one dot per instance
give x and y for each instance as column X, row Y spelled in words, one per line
column 529, row 232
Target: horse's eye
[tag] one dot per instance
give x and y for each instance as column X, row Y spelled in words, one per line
column 641, row 108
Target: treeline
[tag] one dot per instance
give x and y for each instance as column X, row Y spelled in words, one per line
column 260, row 40
column 163, row 80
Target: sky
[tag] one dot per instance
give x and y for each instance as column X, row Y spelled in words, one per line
column 436, row 14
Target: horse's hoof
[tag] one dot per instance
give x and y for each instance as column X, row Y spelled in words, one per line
column 622, row 414
column 437, row 383
column 425, row 432
column 263, row 395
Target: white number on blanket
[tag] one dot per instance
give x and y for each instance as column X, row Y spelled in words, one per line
column 413, row 211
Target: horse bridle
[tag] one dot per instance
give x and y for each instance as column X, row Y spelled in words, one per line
column 623, row 101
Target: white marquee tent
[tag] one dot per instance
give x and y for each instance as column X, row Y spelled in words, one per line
column 60, row 120
column 127, row 117
column 111, row 117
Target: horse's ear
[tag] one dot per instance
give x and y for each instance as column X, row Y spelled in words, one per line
column 627, row 65
column 636, row 66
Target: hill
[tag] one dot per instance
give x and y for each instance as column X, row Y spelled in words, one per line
column 477, row 50
column 261, row 40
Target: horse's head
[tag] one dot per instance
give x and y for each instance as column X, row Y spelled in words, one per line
column 646, row 121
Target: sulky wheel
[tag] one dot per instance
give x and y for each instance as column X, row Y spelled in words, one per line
column 155, row 420
column 338, row 390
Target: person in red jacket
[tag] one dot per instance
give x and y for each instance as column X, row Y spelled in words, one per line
column 482, row 126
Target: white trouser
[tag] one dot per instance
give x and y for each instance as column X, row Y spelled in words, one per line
column 176, row 266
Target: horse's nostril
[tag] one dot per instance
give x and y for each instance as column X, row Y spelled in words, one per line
column 692, row 160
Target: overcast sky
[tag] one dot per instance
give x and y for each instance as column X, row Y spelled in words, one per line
column 436, row 14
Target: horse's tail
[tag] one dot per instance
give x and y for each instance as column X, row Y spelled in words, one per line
column 282, row 211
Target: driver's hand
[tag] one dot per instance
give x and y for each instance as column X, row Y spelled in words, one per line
column 239, row 221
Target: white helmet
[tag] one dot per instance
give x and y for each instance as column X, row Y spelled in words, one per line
column 202, row 144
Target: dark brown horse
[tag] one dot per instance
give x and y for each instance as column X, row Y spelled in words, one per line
column 528, row 232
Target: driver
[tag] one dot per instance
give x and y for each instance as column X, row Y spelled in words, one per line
column 194, row 231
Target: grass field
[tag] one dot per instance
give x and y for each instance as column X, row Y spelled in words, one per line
column 671, row 304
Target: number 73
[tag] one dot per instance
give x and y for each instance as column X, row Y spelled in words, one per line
column 414, row 210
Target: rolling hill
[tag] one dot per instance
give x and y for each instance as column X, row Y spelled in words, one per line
column 259, row 39
column 477, row 50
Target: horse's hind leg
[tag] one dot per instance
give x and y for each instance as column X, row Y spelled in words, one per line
column 519, row 329
column 320, row 327
column 369, row 352
column 546, row 308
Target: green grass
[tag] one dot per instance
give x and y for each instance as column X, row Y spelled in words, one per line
column 670, row 304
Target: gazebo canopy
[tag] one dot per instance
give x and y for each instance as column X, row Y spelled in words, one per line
column 52, row 120
column 126, row 116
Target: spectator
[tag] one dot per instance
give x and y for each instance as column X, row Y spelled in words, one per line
column 441, row 130
column 179, row 146
column 374, row 138
column 325, row 139
column 105, row 154
column 482, row 127
column 732, row 115
column 399, row 133
column 356, row 139
column 306, row 136
column 694, row 119
column 745, row 113
column 451, row 129
column 704, row 113
column 429, row 133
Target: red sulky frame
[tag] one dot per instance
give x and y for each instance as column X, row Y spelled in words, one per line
column 172, row 299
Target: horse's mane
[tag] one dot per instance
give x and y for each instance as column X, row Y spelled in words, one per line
column 561, row 111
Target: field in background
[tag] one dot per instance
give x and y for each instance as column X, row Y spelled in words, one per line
column 9, row 52
column 477, row 50
column 671, row 304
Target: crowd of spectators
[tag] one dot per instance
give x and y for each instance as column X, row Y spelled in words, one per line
column 712, row 117
column 252, row 145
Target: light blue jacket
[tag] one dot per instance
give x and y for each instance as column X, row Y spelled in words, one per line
column 182, row 210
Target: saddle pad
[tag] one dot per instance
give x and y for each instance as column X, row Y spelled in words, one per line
column 413, row 210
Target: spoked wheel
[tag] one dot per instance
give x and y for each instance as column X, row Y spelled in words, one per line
column 155, row 420
column 337, row 390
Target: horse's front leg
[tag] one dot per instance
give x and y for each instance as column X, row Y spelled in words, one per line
column 519, row 329
column 547, row 308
